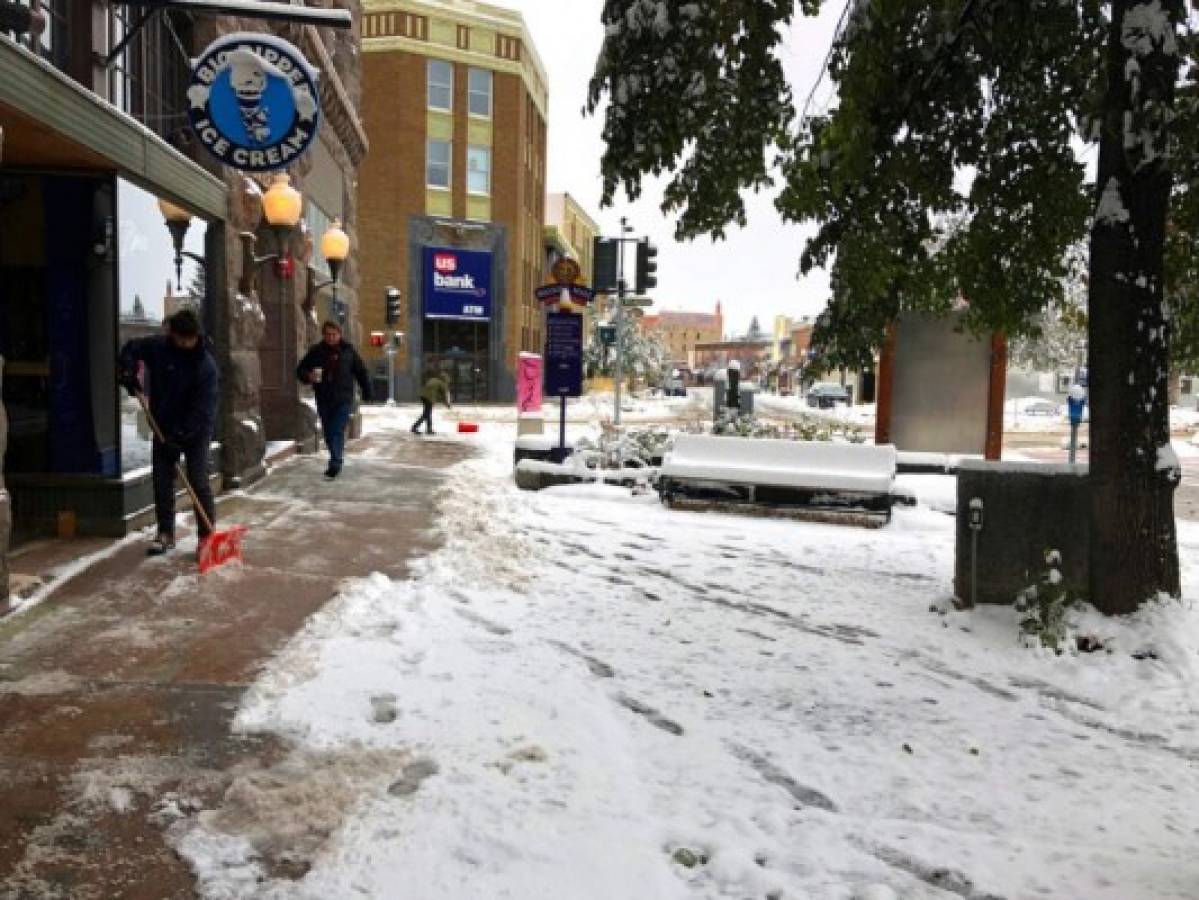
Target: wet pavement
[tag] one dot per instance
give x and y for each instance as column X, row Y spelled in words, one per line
column 121, row 687
column 1186, row 496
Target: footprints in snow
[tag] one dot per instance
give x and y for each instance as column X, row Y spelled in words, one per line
column 802, row 794
column 412, row 777
column 383, row 709
column 598, row 667
column 948, row 880
column 651, row 715
column 483, row 622
column 601, row 669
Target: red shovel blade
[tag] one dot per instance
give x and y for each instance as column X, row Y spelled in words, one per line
column 220, row 547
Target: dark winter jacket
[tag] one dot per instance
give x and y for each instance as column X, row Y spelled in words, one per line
column 341, row 366
column 182, row 386
column 435, row 391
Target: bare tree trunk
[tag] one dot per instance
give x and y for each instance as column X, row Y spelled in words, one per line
column 1134, row 550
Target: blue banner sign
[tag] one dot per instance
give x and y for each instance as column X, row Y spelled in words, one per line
column 254, row 101
column 457, row 284
column 563, row 355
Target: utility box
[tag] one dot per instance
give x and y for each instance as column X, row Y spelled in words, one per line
column 748, row 393
column 1027, row 509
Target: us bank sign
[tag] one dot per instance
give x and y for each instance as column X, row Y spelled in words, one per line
column 253, row 101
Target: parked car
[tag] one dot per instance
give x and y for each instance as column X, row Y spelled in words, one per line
column 675, row 388
column 826, row 395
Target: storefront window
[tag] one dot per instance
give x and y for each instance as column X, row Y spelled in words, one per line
column 150, row 290
column 58, row 324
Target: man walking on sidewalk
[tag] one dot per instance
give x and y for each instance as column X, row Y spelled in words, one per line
column 332, row 367
column 435, row 390
column 183, row 400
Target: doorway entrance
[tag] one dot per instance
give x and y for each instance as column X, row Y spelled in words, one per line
column 457, row 351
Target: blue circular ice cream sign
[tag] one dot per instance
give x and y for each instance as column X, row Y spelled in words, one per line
column 253, row 101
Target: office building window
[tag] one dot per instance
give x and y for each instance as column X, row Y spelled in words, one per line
column 441, row 85
column 478, row 170
column 317, row 222
column 479, row 101
column 437, row 166
column 149, row 79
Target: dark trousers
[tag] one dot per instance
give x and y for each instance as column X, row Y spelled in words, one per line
column 335, row 418
column 164, row 458
column 426, row 417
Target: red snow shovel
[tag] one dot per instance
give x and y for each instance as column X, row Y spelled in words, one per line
column 219, row 547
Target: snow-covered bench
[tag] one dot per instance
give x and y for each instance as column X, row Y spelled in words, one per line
column 779, row 473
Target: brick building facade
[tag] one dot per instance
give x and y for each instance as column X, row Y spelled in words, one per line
column 683, row 332
column 455, row 106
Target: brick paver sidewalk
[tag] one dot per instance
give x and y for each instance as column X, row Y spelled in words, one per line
column 134, row 669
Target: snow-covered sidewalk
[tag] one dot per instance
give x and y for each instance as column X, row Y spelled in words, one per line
column 585, row 695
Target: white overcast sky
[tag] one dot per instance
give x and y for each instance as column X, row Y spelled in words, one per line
column 754, row 271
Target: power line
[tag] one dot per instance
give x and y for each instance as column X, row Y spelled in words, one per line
column 828, row 58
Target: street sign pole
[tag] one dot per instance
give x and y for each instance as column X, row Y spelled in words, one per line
column 562, row 431
column 620, row 292
column 391, row 371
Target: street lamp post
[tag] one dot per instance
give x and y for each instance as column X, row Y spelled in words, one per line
column 282, row 206
column 335, row 247
column 178, row 220
column 621, row 289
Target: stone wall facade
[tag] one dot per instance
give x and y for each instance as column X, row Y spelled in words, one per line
column 262, row 323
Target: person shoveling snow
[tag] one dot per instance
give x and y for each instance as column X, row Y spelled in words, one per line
column 182, row 393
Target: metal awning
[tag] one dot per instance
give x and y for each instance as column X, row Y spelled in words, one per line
column 59, row 123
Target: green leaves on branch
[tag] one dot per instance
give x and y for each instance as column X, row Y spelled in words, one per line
column 695, row 90
column 945, row 170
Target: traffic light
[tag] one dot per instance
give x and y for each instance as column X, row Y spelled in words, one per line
column 393, row 306
column 604, row 263
column 647, row 266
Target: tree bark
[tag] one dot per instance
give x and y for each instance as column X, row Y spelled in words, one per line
column 1134, row 550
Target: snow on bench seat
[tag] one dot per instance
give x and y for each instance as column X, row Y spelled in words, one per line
column 802, row 465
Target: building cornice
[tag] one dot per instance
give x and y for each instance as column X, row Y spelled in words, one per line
column 336, row 104
column 505, row 22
